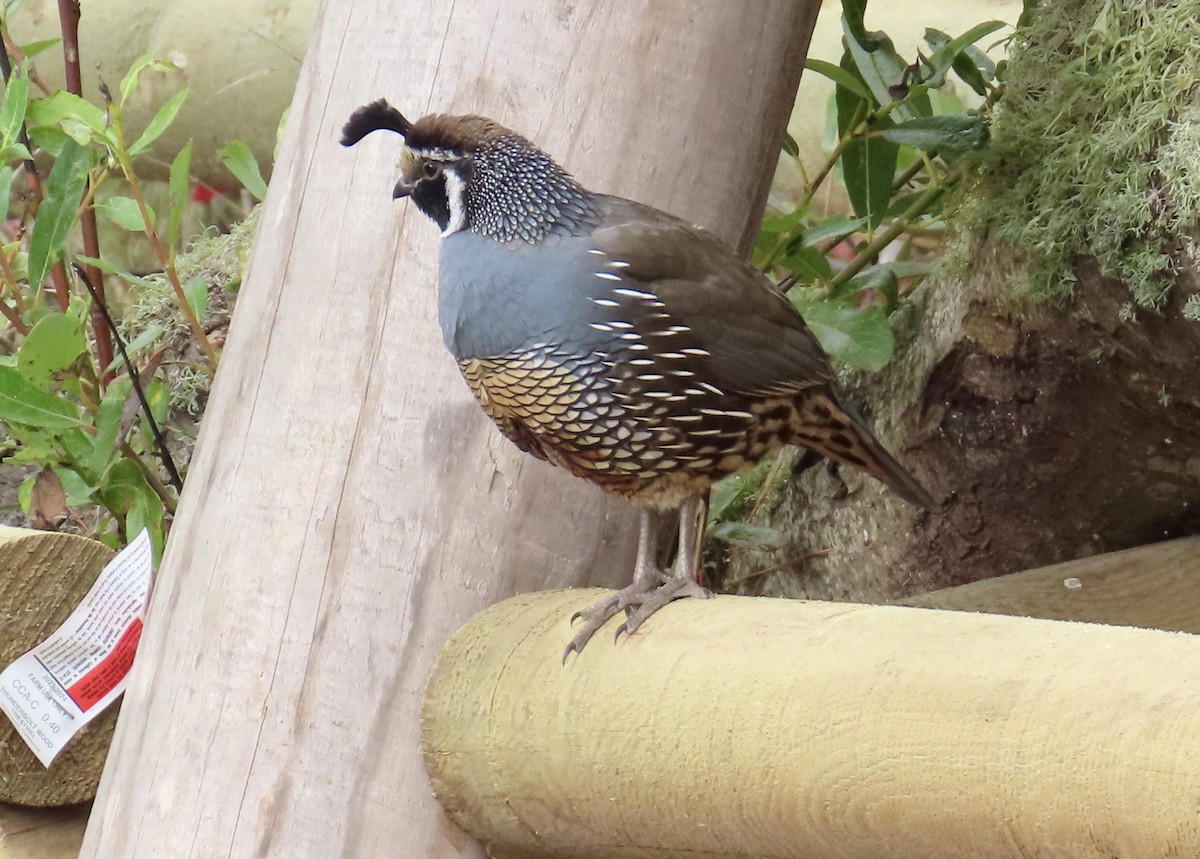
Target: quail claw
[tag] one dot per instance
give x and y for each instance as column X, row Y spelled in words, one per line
column 595, row 616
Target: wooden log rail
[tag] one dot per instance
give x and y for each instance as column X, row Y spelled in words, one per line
column 771, row 728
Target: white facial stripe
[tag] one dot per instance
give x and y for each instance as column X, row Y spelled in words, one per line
column 456, row 190
column 438, row 154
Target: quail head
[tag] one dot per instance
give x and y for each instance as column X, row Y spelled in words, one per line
column 616, row 341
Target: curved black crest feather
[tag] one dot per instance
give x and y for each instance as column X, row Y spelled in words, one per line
column 376, row 116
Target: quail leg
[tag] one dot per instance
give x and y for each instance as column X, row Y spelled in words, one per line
column 652, row 588
column 646, row 577
column 683, row 579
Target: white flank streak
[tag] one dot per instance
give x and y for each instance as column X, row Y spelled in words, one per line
column 634, row 293
column 456, row 190
column 607, row 275
column 606, row 302
column 596, row 251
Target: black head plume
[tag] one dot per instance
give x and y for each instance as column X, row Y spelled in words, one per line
column 376, row 116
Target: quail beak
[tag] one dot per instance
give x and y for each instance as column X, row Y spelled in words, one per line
column 403, row 188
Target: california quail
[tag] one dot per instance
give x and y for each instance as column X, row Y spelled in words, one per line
column 614, row 340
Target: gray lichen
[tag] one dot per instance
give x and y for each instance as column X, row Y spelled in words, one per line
column 1096, row 146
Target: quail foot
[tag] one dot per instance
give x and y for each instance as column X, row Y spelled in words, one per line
column 614, row 340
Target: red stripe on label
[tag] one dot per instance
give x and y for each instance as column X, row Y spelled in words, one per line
column 101, row 680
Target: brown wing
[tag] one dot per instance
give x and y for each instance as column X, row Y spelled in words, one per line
column 757, row 341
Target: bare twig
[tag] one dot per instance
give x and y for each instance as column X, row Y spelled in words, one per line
column 160, row 441
column 774, row 568
column 68, row 16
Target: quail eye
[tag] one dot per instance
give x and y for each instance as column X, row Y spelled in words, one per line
column 431, row 169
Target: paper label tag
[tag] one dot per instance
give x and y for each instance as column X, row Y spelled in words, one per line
column 52, row 691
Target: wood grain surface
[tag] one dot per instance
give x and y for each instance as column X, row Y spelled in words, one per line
column 349, row 505
column 784, row 729
column 44, row 576
column 1155, row 587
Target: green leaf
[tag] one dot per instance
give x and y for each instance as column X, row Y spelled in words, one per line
column 725, row 495
column 1028, row 8
column 77, row 443
column 196, row 293
column 162, row 120
column 967, row 67
column 6, row 177
column 52, row 344
column 14, row 152
column 125, row 492
column 859, row 337
column 109, row 267
column 50, row 139
column 943, row 58
column 746, row 533
column 146, row 61
column 970, row 64
column 852, row 21
column 838, row 226
column 790, row 146
column 12, row 114
column 148, row 336
column 839, row 76
column 64, row 191
column 177, row 193
column 868, row 169
column 880, row 279
column 808, row 265
column 34, row 48
column 22, row 403
column 25, row 493
column 124, row 212
column 946, row 135
column 64, row 106
column 908, row 268
column 76, row 486
column 158, row 397
column 878, row 63
column 239, row 160
column 852, row 108
column 108, row 425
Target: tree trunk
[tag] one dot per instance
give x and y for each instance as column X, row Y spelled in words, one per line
column 1052, row 431
column 350, row 505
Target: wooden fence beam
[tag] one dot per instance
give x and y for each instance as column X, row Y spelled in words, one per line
column 775, row 728
column 1153, row 587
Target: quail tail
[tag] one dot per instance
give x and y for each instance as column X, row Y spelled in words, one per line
column 842, row 436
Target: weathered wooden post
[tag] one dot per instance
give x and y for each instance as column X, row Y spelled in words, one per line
column 349, row 506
